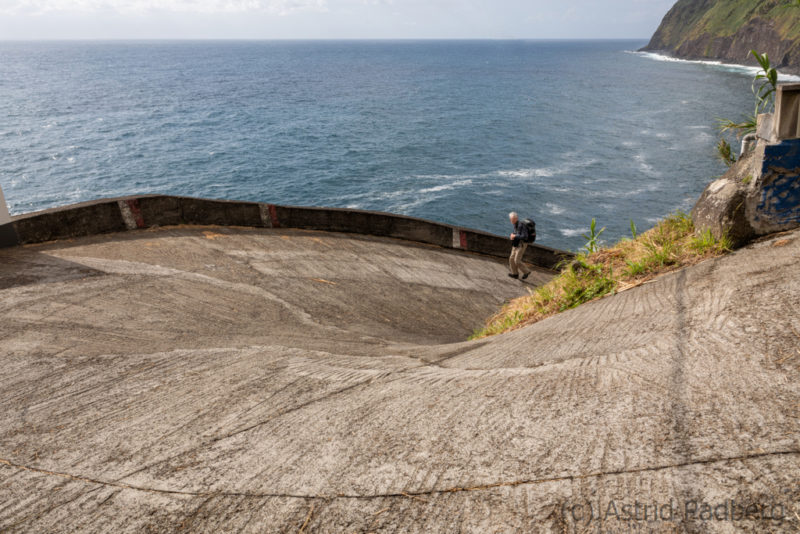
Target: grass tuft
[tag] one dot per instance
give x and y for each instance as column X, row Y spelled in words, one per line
column 670, row 245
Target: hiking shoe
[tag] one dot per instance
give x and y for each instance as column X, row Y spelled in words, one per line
column 524, row 276
column 513, row 275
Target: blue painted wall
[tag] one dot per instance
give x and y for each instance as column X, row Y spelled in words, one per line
column 779, row 204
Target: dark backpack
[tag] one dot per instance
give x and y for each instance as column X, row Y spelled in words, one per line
column 531, row 226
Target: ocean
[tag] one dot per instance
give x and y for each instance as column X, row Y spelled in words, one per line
column 460, row 132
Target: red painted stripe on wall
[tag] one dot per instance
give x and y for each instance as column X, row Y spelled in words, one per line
column 133, row 204
column 273, row 215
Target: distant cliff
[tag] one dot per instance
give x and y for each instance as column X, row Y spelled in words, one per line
column 727, row 30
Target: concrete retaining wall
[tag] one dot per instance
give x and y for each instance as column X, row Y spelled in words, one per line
column 130, row 213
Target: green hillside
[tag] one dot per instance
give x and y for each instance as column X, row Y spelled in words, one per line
column 728, row 29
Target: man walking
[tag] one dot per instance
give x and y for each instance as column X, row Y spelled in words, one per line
column 519, row 242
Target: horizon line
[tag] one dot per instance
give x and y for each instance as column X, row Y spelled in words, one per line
column 319, row 39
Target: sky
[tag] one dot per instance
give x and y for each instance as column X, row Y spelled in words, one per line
column 330, row 19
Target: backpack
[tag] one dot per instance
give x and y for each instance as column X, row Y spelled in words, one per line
column 531, row 226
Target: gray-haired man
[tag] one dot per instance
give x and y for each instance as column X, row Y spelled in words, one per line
column 518, row 245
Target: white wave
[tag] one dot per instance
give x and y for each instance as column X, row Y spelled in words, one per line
column 571, row 232
column 408, row 206
column 545, row 172
column 554, row 209
column 374, row 196
column 437, row 188
column 572, row 163
column 446, row 177
column 388, row 195
column 446, row 187
column 646, row 167
column 636, row 192
column 729, row 67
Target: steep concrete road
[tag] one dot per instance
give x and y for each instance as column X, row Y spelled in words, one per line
column 238, row 380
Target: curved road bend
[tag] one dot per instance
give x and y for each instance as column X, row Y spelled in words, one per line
column 239, row 380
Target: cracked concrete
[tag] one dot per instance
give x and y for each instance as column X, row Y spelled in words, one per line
column 243, row 380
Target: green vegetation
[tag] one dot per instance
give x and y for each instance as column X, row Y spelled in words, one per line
column 592, row 240
column 668, row 246
column 692, row 21
column 765, row 85
column 725, row 152
column 746, row 126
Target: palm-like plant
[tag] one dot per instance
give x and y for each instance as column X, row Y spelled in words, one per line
column 764, row 87
column 765, row 84
column 748, row 125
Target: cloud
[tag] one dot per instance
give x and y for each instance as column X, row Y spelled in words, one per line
column 128, row 7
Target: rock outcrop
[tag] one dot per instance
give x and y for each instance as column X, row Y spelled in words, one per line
column 727, row 30
column 721, row 207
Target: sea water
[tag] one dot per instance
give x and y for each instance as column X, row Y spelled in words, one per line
column 460, row 132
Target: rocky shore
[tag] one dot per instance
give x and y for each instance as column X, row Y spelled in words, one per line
column 727, row 30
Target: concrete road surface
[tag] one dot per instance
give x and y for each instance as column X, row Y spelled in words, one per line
column 239, row 380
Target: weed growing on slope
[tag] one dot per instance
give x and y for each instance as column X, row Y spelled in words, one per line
column 670, row 245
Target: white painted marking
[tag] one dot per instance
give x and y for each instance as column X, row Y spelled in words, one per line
column 456, row 238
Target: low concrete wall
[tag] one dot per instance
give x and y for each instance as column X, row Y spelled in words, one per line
column 130, row 213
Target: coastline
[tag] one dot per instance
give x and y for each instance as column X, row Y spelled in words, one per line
column 786, row 74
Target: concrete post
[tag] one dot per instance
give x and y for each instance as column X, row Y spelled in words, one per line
column 748, row 144
column 5, row 218
column 787, row 111
column 8, row 236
